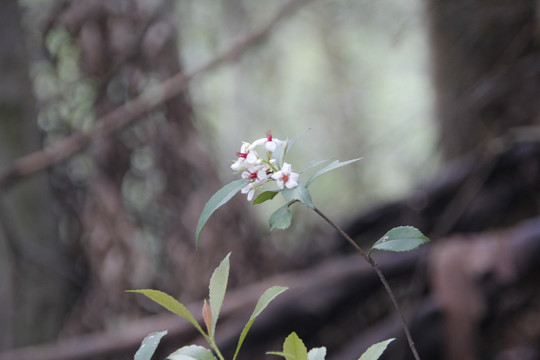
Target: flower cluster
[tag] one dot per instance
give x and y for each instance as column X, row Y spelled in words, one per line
column 257, row 170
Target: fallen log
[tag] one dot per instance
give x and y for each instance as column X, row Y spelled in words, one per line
column 334, row 304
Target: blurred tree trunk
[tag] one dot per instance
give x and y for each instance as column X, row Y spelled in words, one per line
column 32, row 268
column 150, row 182
column 486, row 69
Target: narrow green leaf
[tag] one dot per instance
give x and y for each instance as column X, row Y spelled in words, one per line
column 264, row 196
column 332, row 166
column 313, row 164
column 317, row 353
column 281, row 218
column 192, row 352
column 171, row 304
column 290, row 142
column 280, row 151
column 294, row 348
column 263, row 302
column 218, row 199
column 401, row 238
column 278, row 353
column 149, row 345
column 375, row 351
column 218, row 287
column 299, row 193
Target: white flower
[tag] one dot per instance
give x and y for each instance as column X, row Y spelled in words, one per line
column 246, row 158
column 285, row 178
column 258, row 175
column 249, row 189
column 255, row 178
column 270, row 143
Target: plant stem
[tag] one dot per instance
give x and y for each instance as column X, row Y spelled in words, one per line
column 381, row 277
column 213, row 345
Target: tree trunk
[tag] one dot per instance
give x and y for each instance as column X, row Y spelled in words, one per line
column 32, row 266
column 149, row 182
column 486, row 69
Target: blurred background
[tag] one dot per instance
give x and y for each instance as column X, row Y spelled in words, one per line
column 438, row 98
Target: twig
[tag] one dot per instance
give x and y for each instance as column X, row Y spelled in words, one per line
column 381, row 277
column 129, row 111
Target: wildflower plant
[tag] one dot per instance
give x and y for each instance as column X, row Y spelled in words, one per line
column 264, row 174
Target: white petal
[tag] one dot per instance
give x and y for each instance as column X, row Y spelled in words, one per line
column 237, row 166
column 246, row 188
column 270, row 146
column 279, row 183
column 261, row 174
column 245, row 175
column 291, row 184
column 250, row 194
column 277, row 176
column 257, row 143
column 286, row 168
column 251, row 157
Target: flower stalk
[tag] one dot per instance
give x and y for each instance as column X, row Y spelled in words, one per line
column 375, row 267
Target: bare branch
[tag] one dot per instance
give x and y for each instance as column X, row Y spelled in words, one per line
column 129, row 111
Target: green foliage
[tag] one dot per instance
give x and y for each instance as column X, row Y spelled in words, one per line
column 217, row 289
column 220, row 198
column 281, row 218
column 375, row 351
column 263, row 302
column 171, row 304
column 314, row 164
column 399, row 239
column 192, row 352
column 149, row 345
column 332, row 166
column 293, row 348
column 280, row 152
column 298, row 193
column 264, row 196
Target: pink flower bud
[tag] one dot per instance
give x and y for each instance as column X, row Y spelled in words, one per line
column 207, row 316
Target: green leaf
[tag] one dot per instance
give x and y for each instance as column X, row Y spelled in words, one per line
column 264, row 196
column 332, row 166
column 278, row 353
column 294, row 348
column 299, row 193
column 263, row 302
column 290, row 142
column 171, row 304
column 313, row 164
column 281, row 151
column 218, row 199
column 402, row 238
column 192, row 352
column 218, row 287
column 317, row 353
column 376, row 350
column 149, row 345
column 281, row 218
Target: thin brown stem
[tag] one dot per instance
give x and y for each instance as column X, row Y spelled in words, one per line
column 381, row 277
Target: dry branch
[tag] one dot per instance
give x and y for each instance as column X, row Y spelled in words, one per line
column 316, row 298
column 313, row 293
column 129, row 111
